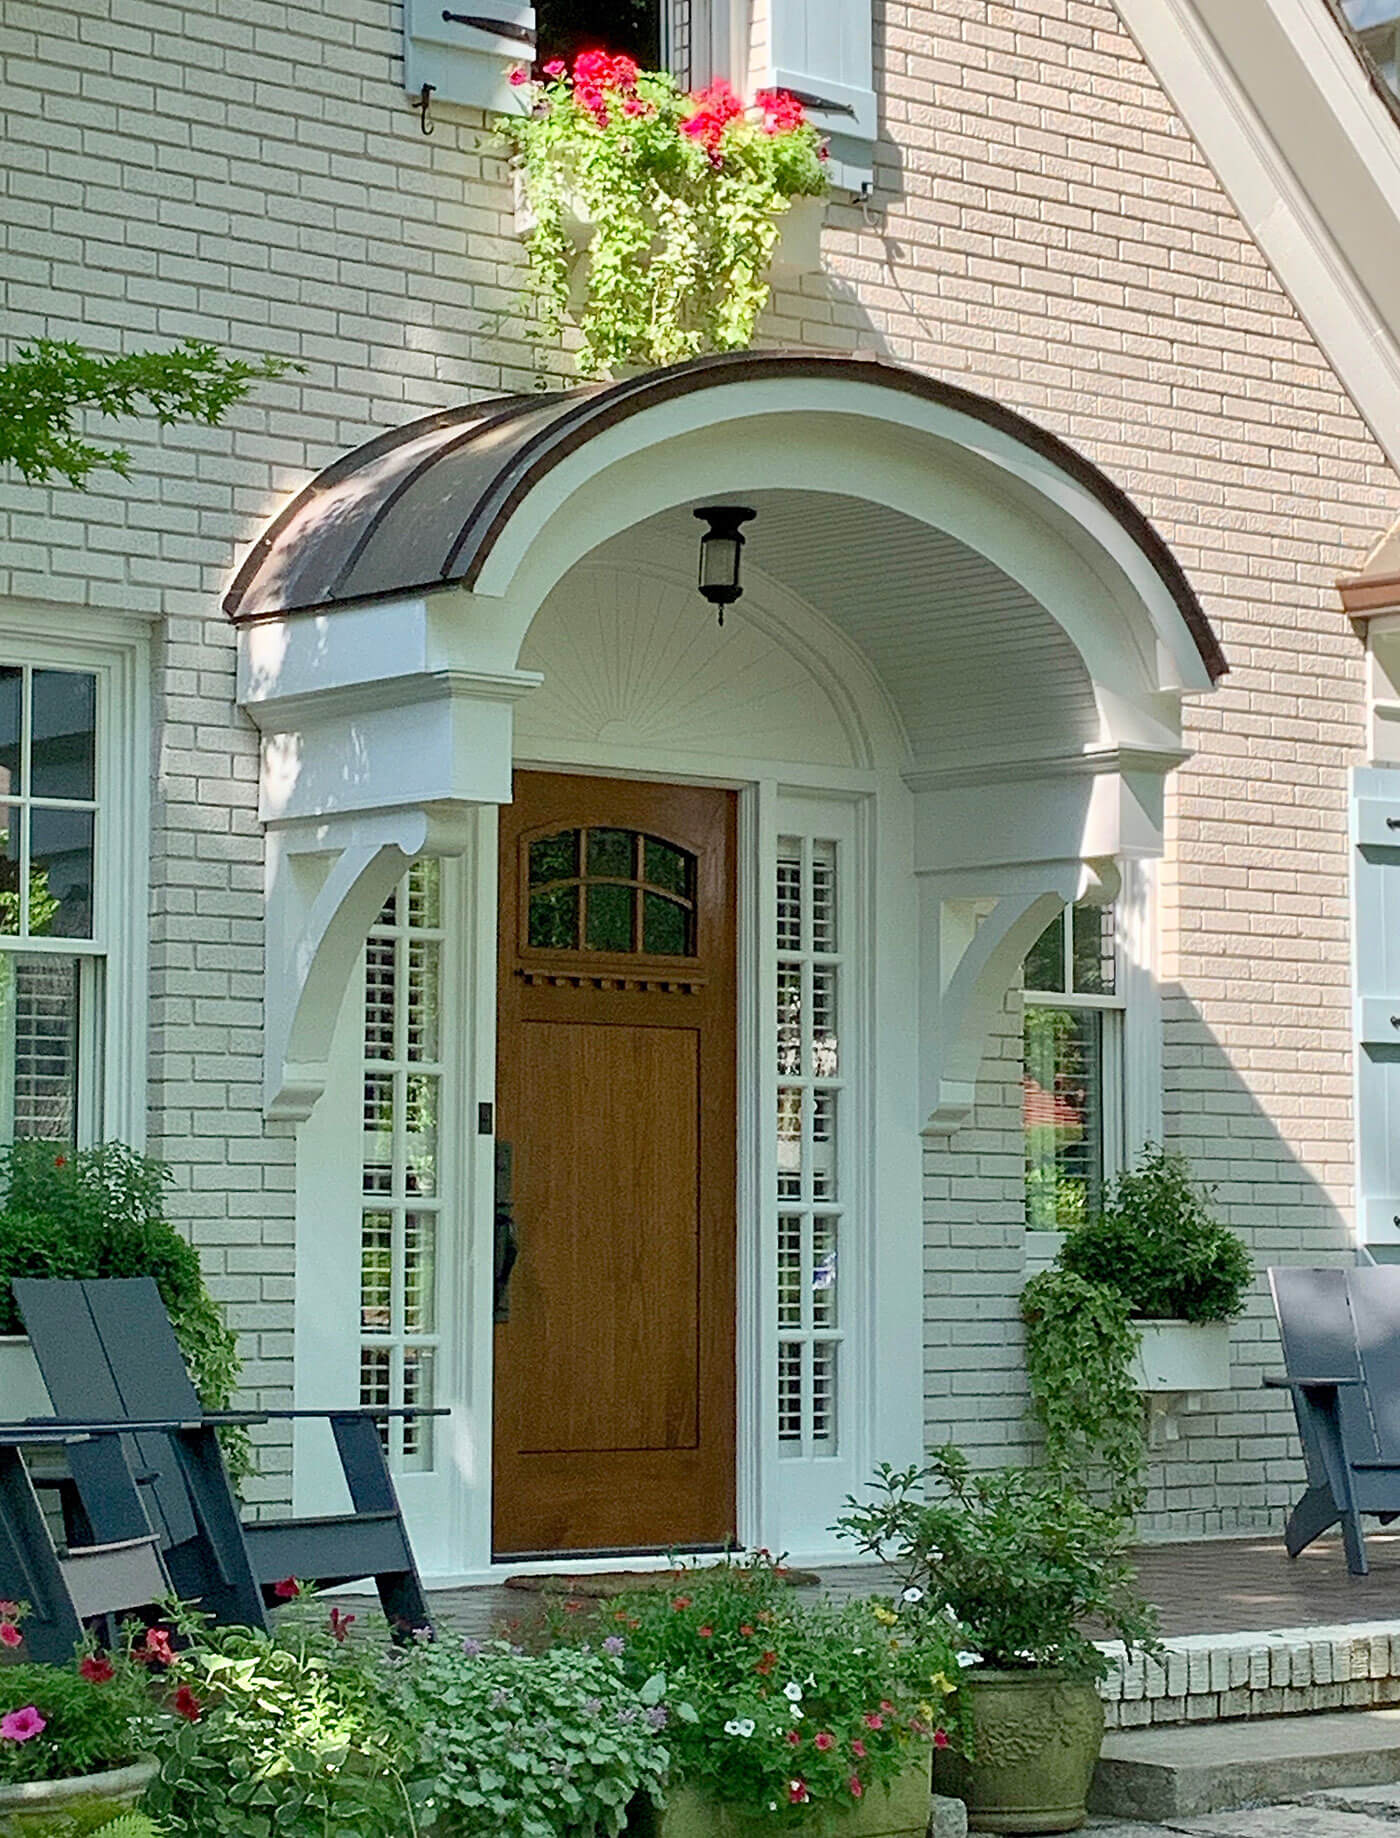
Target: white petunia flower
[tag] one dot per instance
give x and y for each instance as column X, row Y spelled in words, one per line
column 912, row 1595
column 797, row 1712
column 969, row 1659
column 746, row 1726
column 792, row 1691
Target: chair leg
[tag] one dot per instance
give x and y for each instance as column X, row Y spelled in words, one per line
column 372, row 1490
column 1354, row 1544
column 216, row 1567
column 1314, row 1514
column 29, row 1568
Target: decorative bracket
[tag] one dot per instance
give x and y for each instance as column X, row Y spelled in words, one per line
column 326, row 884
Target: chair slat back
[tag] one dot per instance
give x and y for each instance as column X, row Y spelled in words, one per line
column 107, row 1350
column 1319, row 1341
column 1374, row 1291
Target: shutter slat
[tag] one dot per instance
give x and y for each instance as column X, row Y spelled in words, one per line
column 823, row 52
column 466, row 48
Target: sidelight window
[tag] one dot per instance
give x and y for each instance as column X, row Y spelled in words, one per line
column 402, row 1186
column 811, row 1198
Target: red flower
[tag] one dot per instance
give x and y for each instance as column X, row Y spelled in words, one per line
column 886, row 1706
column 705, row 1632
column 858, row 1749
column 794, row 1738
column 767, row 1663
column 635, row 106
column 157, row 1649
column 680, row 1601
column 573, row 1607
column 187, row 1705
column 824, row 1740
column 555, row 67
column 856, row 1789
column 714, row 109
column 340, row 1625
column 10, row 1634
column 781, row 112
column 518, row 77
column 287, row 1590
column 797, row 1793
column 9, row 1611
column 873, row 1720
column 60, row 1161
column 746, row 1630
column 96, row 1668
column 601, row 70
column 940, row 1739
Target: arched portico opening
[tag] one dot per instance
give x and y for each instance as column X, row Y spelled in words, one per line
column 958, row 669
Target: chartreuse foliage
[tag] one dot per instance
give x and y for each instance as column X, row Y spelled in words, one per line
column 48, row 384
column 1018, row 1558
column 684, row 196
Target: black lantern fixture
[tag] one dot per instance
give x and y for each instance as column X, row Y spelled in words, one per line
column 719, row 553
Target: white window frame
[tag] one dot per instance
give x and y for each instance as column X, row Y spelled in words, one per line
column 113, row 1007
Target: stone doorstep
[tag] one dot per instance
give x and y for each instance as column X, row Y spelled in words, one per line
column 1166, row 1774
column 1210, row 1678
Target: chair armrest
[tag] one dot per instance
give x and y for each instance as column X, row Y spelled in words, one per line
column 55, row 1429
column 1287, row 1382
column 378, row 1412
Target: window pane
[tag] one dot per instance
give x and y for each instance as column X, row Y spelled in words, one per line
column 1093, row 950
column 612, row 852
column 11, row 704
column 1062, row 1115
column 60, row 874
column 825, row 1051
column 668, row 867
column 824, row 896
column 63, row 748
column 10, row 821
column 790, row 1021
column 418, row 1389
column 609, row 916
column 790, row 1392
column 554, row 920
column 420, row 1127
column 824, row 1391
column 789, row 896
column 668, row 929
column 419, row 1273
column 376, row 1273
column 824, row 1145
column 425, row 893
column 553, row 858
column 38, row 1046
column 566, row 27
column 1045, row 963
column 824, row 1232
column 789, row 1144
column 424, row 981
column 790, row 1270
column 379, row 998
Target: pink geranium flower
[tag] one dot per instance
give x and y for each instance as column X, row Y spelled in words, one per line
column 20, row 1725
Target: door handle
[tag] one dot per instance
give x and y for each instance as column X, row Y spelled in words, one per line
column 506, row 1238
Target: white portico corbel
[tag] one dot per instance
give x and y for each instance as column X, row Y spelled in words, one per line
column 998, row 853
column 377, row 747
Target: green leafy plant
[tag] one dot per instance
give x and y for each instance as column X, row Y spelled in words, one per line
column 130, row 1825
column 292, row 1733
column 527, row 1745
column 1019, row 1558
column 1157, row 1244
column 771, row 1703
column 47, row 385
column 684, row 195
column 1080, row 1347
column 100, row 1212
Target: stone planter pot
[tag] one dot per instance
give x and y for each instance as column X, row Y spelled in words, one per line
column 901, row 1810
column 1183, row 1356
column 33, row 1809
column 1034, row 1739
column 22, row 1391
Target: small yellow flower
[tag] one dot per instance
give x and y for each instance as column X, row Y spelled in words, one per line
column 941, row 1683
column 884, row 1616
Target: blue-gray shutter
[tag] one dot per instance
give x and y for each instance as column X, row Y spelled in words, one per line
column 1375, row 833
column 466, row 49
column 823, row 51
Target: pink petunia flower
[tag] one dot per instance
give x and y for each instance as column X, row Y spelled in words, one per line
column 940, row 1739
column 185, row 1704
column 10, row 1634
column 518, row 77
column 824, row 1740
column 797, row 1793
column 555, row 68
column 854, row 1783
column 20, row 1725
column 287, row 1590
column 97, row 1669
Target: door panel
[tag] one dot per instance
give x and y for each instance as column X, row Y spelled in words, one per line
column 614, row 1375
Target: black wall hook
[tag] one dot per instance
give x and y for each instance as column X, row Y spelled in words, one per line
column 423, row 104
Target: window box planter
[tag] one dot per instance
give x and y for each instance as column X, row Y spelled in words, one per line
column 1183, row 1356
column 22, row 1391
column 901, row 1810
column 82, row 1803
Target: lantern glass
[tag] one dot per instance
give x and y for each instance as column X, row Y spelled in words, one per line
column 719, row 560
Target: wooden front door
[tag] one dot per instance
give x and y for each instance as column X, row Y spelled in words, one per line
column 614, row 1372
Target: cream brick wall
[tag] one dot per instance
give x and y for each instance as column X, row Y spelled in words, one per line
column 1044, row 230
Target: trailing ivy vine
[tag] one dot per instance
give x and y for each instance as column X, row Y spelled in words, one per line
column 654, row 213
column 1080, row 1347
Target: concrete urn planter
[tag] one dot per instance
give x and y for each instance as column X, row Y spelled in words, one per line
column 22, row 1391
column 83, row 1803
column 901, row 1810
column 1183, row 1356
column 1034, row 1738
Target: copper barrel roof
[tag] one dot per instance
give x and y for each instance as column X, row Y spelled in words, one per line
column 422, row 506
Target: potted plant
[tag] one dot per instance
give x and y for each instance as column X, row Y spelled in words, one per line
column 652, row 216
column 779, row 1711
column 100, row 1212
column 1183, row 1275
column 75, row 1742
column 1021, row 1561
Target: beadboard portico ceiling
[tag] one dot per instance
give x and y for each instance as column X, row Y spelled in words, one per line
column 1015, row 619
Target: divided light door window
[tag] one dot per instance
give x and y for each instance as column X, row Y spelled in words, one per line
column 1072, row 1078
column 401, row 1216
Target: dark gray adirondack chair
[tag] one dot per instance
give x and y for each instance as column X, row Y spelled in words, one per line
column 1341, row 1344
column 66, row 1586
column 107, row 1352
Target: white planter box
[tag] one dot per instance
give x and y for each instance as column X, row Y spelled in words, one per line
column 1183, row 1356
column 22, row 1391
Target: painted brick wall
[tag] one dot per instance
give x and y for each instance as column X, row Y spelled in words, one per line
column 1043, row 230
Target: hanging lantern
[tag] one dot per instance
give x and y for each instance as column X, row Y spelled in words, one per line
column 719, row 553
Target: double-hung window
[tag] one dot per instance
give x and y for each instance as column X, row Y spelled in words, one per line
column 1072, row 1076
column 72, row 887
